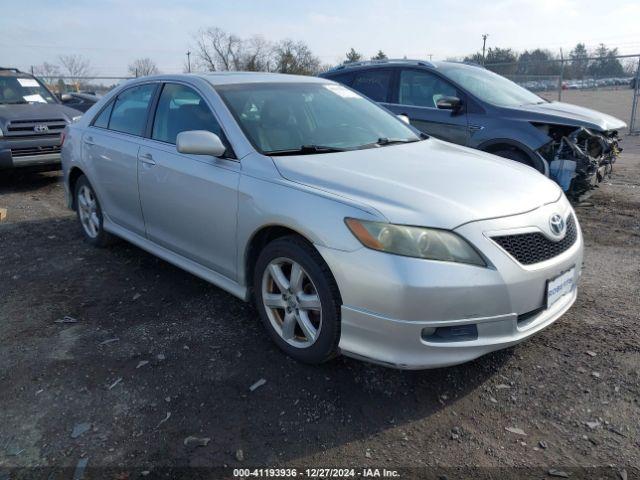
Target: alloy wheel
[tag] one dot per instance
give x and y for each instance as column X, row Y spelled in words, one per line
column 88, row 211
column 291, row 302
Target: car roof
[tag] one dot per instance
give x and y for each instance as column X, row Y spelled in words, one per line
column 395, row 62
column 230, row 78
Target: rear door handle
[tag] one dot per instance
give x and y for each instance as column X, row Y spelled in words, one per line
column 146, row 158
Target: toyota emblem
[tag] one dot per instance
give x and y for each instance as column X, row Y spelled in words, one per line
column 556, row 222
column 41, row 128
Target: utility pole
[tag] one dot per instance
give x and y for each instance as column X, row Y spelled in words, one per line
column 430, row 55
column 189, row 61
column 484, row 44
column 561, row 77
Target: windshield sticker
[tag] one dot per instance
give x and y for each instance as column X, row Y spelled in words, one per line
column 37, row 98
column 342, row 91
column 28, row 82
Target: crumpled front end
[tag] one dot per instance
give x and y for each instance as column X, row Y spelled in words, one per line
column 579, row 158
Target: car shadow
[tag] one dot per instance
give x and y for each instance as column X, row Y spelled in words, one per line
column 16, row 181
column 205, row 351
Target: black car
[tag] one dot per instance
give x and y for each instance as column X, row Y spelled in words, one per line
column 472, row 106
column 82, row 101
column 31, row 122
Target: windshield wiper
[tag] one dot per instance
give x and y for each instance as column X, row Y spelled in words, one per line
column 308, row 149
column 391, row 141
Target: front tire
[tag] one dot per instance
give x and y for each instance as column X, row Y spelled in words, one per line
column 89, row 214
column 298, row 300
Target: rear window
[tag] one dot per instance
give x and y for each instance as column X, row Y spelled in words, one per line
column 129, row 113
column 373, row 83
column 102, row 120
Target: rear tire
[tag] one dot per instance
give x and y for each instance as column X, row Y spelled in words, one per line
column 298, row 300
column 89, row 214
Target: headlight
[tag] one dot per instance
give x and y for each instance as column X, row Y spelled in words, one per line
column 429, row 243
column 76, row 118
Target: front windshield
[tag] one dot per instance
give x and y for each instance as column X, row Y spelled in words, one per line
column 281, row 118
column 15, row 90
column 491, row 87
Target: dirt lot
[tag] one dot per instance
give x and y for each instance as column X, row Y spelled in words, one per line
column 157, row 355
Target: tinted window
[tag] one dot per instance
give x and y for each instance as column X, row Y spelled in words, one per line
column 423, row 89
column 102, row 120
column 374, row 84
column 344, row 78
column 130, row 110
column 180, row 109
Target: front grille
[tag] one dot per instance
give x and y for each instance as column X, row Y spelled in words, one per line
column 530, row 248
column 24, row 151
column 30, row 128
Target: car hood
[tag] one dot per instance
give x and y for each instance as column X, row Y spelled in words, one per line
column 36, row 111
column 429, row 183
column 567, row 114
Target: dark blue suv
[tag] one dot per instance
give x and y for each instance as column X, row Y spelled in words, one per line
column 472, row 106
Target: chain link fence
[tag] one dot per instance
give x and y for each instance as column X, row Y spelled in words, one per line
column 93, row 85
column 615, row 93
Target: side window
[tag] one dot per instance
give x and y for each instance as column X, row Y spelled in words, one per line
column 423, row 89
column 102, row 120
column 373, row 83
column 344, row 78
column 130, row 110
column 180, row 109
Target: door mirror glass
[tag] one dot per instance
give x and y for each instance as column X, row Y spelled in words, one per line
column 404, row 118
column 449, row 103
column 200, row 142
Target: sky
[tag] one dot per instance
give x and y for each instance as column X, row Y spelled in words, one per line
column 112, row 33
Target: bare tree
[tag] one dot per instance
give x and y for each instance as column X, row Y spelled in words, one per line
column 218, row 50
column 75, row 67
column 257, row 55
column 47, row 72
column 141, row 67
column 296, row 58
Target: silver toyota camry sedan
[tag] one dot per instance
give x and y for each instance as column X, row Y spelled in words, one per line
column 351, row 231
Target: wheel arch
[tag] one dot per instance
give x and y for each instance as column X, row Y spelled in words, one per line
column 497, row 144
column 257, row 241
column 74, row 174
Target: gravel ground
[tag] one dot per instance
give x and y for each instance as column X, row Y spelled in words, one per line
column 155, row 356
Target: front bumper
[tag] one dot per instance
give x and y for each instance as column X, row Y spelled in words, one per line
column 391, row 304
column 30, row 152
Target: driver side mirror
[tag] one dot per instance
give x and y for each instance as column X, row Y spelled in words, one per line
column 404, row 118
column 200, row 142
column 449, row 103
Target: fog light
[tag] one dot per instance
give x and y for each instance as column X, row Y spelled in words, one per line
column 456, row 333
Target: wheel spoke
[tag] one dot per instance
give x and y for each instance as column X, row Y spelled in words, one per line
column 288, row 326
column 82, row 200
column 307, row 327
column 309, row 301
column 296, row 277
column 273, row 300
column 95, row 220
column 278, row 276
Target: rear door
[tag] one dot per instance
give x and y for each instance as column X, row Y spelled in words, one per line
column 110, row 146
column 189, row 202
column 415, row 96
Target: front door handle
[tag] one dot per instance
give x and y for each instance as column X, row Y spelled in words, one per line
column 89, row 140
column 146, row 158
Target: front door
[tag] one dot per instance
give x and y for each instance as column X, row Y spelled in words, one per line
column 189, row 202
column 417, row 94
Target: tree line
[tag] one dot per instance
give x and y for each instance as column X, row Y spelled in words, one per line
column 218, row 50
column 579, row 63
